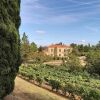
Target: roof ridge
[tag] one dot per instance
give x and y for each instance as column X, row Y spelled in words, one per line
column 58, row 45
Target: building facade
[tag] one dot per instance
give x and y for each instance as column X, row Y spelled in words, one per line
column 58, row 50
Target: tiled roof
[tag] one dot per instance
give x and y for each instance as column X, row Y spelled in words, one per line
column 58, row 46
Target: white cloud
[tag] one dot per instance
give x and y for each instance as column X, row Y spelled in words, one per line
column 92, row 29
column 83, row 41
column 41, row 32
column 61, row 19
column 35, row 12
column 83, row 2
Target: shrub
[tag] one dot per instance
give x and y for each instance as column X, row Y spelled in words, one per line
column 55, row 84
column 39, row 80
column 73, row 63
column 93, row 62
column 91, row 95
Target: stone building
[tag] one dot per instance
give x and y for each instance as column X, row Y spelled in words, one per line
column 58, row 50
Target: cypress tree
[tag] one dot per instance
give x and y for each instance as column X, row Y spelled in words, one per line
column 9, row 44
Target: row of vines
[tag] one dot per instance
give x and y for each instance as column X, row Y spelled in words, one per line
column 60, row 79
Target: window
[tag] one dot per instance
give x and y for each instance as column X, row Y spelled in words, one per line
column 51, row 50
column 59, row 55
column 59, row 50
column 64, row 50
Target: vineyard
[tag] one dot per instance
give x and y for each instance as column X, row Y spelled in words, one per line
column 61, row 79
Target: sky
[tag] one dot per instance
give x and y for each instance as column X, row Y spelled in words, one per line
column 53, row 21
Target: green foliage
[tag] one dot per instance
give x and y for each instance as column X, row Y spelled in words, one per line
column 9, row 44
column 30, row 53
column 71, row 77
column 25, row 39
column 68, row 88
column 33, row 47
column 39, row 80
column 80, row 50
column 80, row 83
column 40, row 57
column 25, row 48
column 91, row 95
column 98, row 45
column 55, row 84
column 73, row 63
column 40, row 49
column 93, row 59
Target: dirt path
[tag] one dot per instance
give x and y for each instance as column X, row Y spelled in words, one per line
column 27, row 91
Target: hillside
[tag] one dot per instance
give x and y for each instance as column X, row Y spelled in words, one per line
column 27, row 91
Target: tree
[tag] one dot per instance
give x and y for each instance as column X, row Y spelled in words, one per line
column 81, row 48
column 73, row 63
column 40, row 49
column 75, row 50
column 87, row 48
column 73, row 45
column 25, row 47
column 9, row 44
column 98, row 45
column 93, row 62
column 25, row 39
column 33, row 47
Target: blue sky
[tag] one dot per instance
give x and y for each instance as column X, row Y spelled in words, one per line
column 67, row 21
